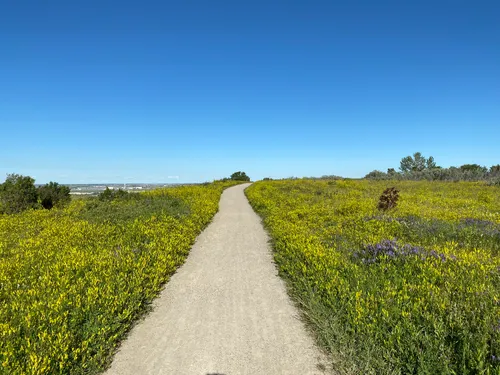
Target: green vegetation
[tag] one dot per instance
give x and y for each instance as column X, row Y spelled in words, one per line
column 417, row 163
column 237, row 176
column 53, row 194
column 419, row 167
column 240, row 176
column 73, row 280
column 118, row 206
column 411, row 290
column 18, row 193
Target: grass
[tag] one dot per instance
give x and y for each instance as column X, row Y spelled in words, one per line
column 130, row 207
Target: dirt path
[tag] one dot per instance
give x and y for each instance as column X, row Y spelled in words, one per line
column 225, row 311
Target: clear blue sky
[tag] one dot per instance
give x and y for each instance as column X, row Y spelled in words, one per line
column 141, row 91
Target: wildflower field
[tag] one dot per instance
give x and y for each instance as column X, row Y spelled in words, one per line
column 411, row 290
column 73, row 280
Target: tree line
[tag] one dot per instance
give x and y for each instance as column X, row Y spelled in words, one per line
column 418, row 167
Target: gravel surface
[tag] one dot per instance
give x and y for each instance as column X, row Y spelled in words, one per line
column 225, row 311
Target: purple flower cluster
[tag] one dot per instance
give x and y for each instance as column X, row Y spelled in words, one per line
column 413, row 222
column 434, row 227
column 410, row 220
column 483, row 227
column 392, row 250
column 471, row 222
column 487, row 227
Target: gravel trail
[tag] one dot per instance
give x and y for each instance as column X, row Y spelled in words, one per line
column 225, row 311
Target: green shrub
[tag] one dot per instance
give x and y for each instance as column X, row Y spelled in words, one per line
column 53, row 194
column 377, row 175
column 240, row 176
column 111, row 194
column 18, row 193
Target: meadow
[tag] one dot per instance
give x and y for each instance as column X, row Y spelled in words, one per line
column 411, row 290
column 73, row 280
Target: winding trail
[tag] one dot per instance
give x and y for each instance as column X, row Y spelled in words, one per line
column 225, row 311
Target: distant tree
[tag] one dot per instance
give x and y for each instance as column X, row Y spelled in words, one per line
column 406, row 164
column 53, row 194
column 474, row 168
column 377, row 175
column 18, row 193
column 331, row 177
column 391, row 172
column 112, row 194
column 240, row 176
column 495, row 170
column 417, row 163
column 430, row 163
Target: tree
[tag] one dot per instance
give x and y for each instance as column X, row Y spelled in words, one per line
column 112, row 194
column 391, row 172
column 376, row 175
column 18, row 193
column 474, row 168
column 431, row 164
column 53, row 194
column 417, row 163
column 240, row 176
column 495, row 170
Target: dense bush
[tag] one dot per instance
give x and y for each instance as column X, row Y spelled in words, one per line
column 377, row 175
column 240, row 176
column 18, row 193
column 53, row 194
column 112, row 194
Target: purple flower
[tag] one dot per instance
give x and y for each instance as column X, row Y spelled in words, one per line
column 390, row 249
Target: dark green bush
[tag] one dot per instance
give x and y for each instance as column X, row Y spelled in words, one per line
column 377, row 175
column 53, row 194
column 240, row 176
column 18, row 193
column 111, row 194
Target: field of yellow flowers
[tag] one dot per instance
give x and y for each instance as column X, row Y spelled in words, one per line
column 73, row 280
column 413, row 290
